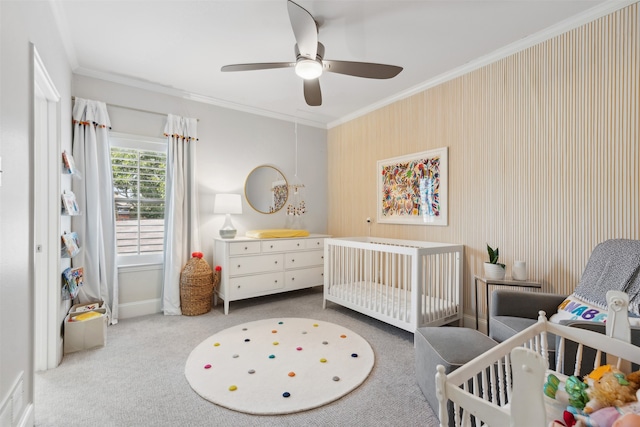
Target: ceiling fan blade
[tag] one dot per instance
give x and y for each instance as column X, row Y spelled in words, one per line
column 362, row 69
column 258, row 66
column 312, row 93
column 304, row 29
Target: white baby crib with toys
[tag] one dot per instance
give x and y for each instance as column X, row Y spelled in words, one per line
column 504, row 386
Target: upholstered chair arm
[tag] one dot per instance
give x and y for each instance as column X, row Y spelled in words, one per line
column 505, row 302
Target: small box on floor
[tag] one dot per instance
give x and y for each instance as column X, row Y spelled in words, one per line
column 85, row 329
column 90, row 306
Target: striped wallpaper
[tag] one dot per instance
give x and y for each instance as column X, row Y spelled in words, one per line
column 543, row 154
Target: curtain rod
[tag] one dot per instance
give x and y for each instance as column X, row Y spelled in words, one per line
column 73, row 98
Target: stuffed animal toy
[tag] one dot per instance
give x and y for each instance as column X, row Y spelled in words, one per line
column 610, row 387
column 606, row 398
column 627, row 420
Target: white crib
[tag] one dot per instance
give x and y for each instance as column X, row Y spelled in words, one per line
column 504, row 386
column 408, row 284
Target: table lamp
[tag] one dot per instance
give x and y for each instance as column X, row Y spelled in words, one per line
column 228, row 204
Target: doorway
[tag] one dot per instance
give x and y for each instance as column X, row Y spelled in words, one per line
column 46, row 204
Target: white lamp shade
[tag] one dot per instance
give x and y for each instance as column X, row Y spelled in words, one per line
column 227, row 204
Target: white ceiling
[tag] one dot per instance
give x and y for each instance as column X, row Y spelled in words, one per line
column 179, row 46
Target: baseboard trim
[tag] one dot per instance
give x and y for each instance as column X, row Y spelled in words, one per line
column 28, row 417
column 139, row 308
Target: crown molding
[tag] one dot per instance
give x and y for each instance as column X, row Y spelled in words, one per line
column 178, row 93
column 573, row 22
column 562, row 27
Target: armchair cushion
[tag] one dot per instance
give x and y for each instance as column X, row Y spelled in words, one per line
column 504, row 327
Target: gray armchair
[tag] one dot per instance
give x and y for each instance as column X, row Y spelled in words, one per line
column 613, row 264
column 512, row 311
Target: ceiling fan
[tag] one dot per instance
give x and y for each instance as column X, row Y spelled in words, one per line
column 310, row 62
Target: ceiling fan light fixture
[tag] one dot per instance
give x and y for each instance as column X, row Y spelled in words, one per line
column 308, row 69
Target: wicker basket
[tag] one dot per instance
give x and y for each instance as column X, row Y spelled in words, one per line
column 196, row 287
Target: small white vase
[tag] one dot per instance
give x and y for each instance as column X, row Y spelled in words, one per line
column 519, row 270
column 493, row 271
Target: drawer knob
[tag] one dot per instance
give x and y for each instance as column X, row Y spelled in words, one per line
column 275, row 281
column 276, row 262
column 238, row 286
column 293, row 278
column 238, row 265
column 271, row 246
column 246, row 248
column 298, row 244
column 293, row 260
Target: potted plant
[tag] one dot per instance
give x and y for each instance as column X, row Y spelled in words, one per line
column 493, row 269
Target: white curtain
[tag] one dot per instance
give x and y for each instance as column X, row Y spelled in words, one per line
column 96, row 226
column 181, row 207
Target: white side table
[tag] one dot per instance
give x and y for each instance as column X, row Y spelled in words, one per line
column 503, row 282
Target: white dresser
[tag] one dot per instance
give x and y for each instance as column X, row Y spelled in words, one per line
column 257, row 267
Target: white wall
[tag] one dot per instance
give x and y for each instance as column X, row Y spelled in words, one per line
column 231, row 143
column 21, row 23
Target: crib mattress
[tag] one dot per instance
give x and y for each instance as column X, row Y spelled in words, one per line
column 391, row 301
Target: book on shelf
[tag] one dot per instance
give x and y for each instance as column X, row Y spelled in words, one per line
column 73, row 280
column 68, row 164
column 70, row 244
column 69, row 203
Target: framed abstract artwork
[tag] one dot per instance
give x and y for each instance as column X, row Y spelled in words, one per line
column 412, row 189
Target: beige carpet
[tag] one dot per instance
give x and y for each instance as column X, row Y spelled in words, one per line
column 279, row 365
column 138, row 378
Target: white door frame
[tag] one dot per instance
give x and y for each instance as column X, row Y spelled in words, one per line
column 46, row 204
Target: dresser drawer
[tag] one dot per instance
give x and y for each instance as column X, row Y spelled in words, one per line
column 304, row 278
column 256, row 264
column 248, row 286
column 239, row 248
column 303, row 259
column 283, row 245
column 315, row 243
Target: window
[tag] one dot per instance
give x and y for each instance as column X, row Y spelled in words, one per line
column 139, row 172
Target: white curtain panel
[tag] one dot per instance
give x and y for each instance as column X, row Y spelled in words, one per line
column 96, row 226
column 181, row 207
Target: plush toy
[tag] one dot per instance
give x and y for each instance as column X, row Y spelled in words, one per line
column 610, row 387
column 627, row 420
column 606, row 398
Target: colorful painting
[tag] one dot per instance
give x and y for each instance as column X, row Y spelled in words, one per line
column 412, row 189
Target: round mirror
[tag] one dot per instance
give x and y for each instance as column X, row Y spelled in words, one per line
column 266, row 189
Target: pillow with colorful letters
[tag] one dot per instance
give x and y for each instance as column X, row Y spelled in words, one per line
column 573, row 308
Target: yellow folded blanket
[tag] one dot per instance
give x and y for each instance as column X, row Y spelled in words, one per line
column 276, row 233
column 86, row 316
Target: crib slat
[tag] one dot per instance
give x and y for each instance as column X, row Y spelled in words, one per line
column 502, row 398
column 576, row 370
column 507, row 366
column 560, row 355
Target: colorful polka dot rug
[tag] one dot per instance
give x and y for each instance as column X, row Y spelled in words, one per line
column 279, row 366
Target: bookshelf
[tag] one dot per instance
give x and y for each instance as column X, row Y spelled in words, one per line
column 71, row 275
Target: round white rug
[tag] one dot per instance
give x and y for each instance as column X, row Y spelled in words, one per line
column 279, row 366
